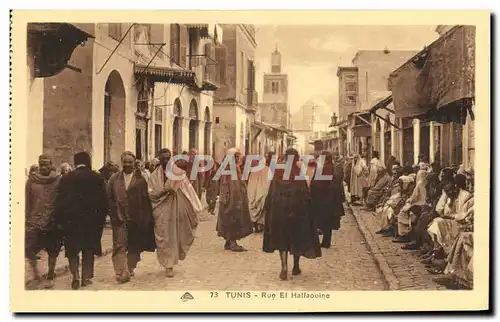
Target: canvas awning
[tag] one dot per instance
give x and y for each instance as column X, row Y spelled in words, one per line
column 383, row 104
column 362, row 126
column 438, row 83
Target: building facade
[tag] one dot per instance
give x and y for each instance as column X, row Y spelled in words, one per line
column 236, row 99
column 361, row 86
column 135, row 87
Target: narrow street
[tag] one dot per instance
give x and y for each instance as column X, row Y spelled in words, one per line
column 348, row 265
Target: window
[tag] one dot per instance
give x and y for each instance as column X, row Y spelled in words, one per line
column 175, row 43
column 242, row 72
column 158, row 135
column 275, row 87
column 220, row 57
column 115, row 31
column 351, row 99
column 350, row 87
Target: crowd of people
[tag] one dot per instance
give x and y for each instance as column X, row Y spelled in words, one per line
column 427, row 209
column 424, row 207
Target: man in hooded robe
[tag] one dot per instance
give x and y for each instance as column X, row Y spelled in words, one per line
column 131, row 218
column 258, row 186
column 234, row 222
column 197, row 182
column 289, row 222
column 41, row 230
column 81, row 208
column 358, row 178
column 377, row 190
column 175, row 208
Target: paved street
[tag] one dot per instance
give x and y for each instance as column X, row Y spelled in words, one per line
column 348, row 265
column 402, row 268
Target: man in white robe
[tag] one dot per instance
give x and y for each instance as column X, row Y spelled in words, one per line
column 257, row 189
column 175, row 207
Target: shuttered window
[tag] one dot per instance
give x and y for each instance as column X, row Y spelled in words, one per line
column 115, row 31
column 251, row 82
column 221, row 58
column 183, row 42
column 175, row 45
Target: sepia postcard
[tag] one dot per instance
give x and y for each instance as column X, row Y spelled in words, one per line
column 250, row 161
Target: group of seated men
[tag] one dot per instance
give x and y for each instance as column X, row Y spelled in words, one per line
column 431, row 211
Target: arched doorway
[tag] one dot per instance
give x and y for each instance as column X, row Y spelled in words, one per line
column 114, row 117
column 208, row 131
column 193, row 125
column 177, row 127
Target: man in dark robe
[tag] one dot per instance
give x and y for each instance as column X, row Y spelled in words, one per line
column 234, row 221
column 81, row 209
column 212, row 188
column 131, row 218
column 327, row 198
column 41, row 231
column 289, row 224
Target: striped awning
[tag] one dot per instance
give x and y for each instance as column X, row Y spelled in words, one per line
column 166, row 75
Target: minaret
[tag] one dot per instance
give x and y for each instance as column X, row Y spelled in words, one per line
column 276, row 61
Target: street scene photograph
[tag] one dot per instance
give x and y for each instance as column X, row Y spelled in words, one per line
column 249, row 157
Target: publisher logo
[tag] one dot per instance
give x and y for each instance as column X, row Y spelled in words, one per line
column 186, row 297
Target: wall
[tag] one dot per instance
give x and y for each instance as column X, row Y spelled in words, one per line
column 374, row 68
column 34, row 125
column 224, row 133
column 67, row 115
column 247, row 47
column 121, row 62
column 274, row 113
column 227, row 89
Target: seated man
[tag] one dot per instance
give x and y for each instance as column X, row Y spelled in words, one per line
column 385, row 210
column 452, row 233
column 376, row 192
column 411, row 211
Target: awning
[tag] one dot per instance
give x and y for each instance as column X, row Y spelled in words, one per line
column 384, row 105
column 53, row 44
column 212, row 31
column 438, row 83
column 166, row 75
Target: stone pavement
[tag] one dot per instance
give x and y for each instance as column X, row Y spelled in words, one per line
column 347, row 265
column 401, row 268
column 62, row 261
column 107, row 248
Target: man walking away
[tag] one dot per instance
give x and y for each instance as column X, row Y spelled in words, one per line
column 81, row 209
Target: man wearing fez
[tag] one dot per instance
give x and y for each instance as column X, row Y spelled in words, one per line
column 81, row 209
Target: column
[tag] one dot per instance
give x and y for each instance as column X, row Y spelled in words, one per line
column 432, row 146
column 393, row 141
column 201, row 137
column 185, row 134
column 350, row 149
column 416, row 140
column 400, row 141
column 382, row 142
column 168, row 131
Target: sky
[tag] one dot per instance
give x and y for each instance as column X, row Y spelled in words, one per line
column 310, row 55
